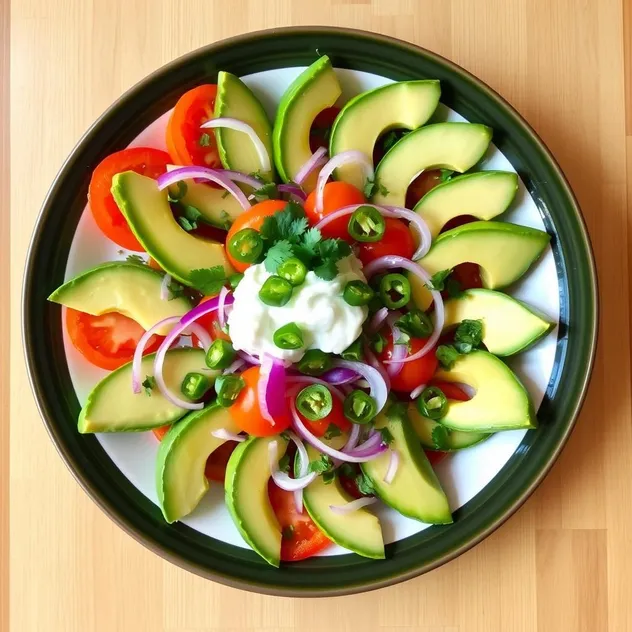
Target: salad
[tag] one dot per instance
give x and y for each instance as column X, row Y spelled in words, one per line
column 311, row 314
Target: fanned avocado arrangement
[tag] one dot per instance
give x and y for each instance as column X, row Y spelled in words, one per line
column 312, row 344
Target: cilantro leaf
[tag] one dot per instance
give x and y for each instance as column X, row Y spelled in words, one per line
column 205, row 140
column 348, row 470
column 329, row 476
column 365, row 484
column 284, row 463
column 186, row 224
column 437, row 281
column 192, row 213
column 387, row 435
column 136, row 259
column 321, row 465
column 373, row 187
column 404, row 339
column 328, row 270
column 389, row 140
column 468, row 336
column 175, row 290
column 453, row 288
column 268, row 191
column 396, row 411
column 439, row 437
column 225, row 220
column 332, row 431
column 209, row 281
column 277, row 254
column 447, row 356
column 311, row 238
column 445, row 175
column 148, row 384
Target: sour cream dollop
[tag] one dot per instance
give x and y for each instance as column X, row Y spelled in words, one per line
column 327, row 321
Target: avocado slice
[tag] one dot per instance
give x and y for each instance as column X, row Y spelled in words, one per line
column 247, row 476
column 501, row 401
column 315, row 89
column 484, row 195
column 182, row 456
column 434, row 436
column 218, row 208
column 504, row 251
column 359, row 531
column 112, row 406
column 131, row 289
column 509, row 325
column 236, row 151
column 149, row 215
column 415, row 491
column 455, row 146
column 405, row 104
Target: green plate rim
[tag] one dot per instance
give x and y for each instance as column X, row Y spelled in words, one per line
column 411, row 556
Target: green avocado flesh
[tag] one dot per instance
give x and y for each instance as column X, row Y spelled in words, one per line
column 149, row 215
column 314, row 90
column 236, row 150
column 415, row 491
column 484, row 195
column 180, row 479
column 503, row 251
column 442, row 439
column 509, row 326
column 501, row 402
column 401, row 105
column 112, row 406
column 218, row 207
column 359, row 531
column 455, row 146
column 247, row 476
column 130, row 289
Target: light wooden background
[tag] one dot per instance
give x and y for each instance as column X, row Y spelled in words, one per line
column 564, row 562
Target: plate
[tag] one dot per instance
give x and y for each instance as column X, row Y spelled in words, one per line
column 485, row 484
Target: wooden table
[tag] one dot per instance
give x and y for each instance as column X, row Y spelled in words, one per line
column 564, row 562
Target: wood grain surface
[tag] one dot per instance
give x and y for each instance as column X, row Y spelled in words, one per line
column 563, row 563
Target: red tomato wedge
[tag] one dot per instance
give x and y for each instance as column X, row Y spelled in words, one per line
column 336, row 195
column 301, row 538
column 187, row 142
column 144, row 160
column 321, row 128
column 397, row 240
column 107, row 341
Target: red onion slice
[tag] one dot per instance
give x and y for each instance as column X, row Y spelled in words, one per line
column 249, row 359
column 271, row 388
column 354, row 436
column 238, row 176
column 203, row 173
column 378, row 319
column 305, row 379
column 164, row 287
column 239, row 126
column 424, row 236
column 140, row 347
column 373, row 362
column 394, row 261
column 235, row 366
column 376, row 381
column 352, row 155
column 323, row 447
column 221, row 306
column 399, row 351
column 374, row 441
column 282, row 479
column 318, row 157
column 354, row 505
column 222, row 433
column 417, row 391
column 340, row 376
column 393, row 464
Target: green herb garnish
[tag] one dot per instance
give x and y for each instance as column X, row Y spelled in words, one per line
column 209, row 281
column 148, row 384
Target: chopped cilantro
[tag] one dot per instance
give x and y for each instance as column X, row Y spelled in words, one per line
column 148, row 384
column 225, row 195
column 396, row 411
column 288, row 532
column 268, row 191
column 439, row 437
column 205, row 140
column 284, row 463
column 468, row 336
column 372, row 187
column 182, row 191
column 389, row 140
column 404, row 339
column 136, row 259
column 225, row 220
column 209, row 281
column 277, row 254
column 329, row 476
column 332, row 431
column 175, row 290
column 437, row 281
column 447, row 356
column 365, row 484
column 453, row 288
column 445, row 175
column 387, row 435
column 186, row 224
column 286, row 436
column 321, row 465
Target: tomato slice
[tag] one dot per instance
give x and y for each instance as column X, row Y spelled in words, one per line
column 335, row 196
column 413, row 373
column 187, row 142
column 397, row 240
column 301, row 537
column 215, row 469
column 247, row 413
column 144, row 160
column 321, row 128
column 423, row 183
column 107, row 341
column 252, row 218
